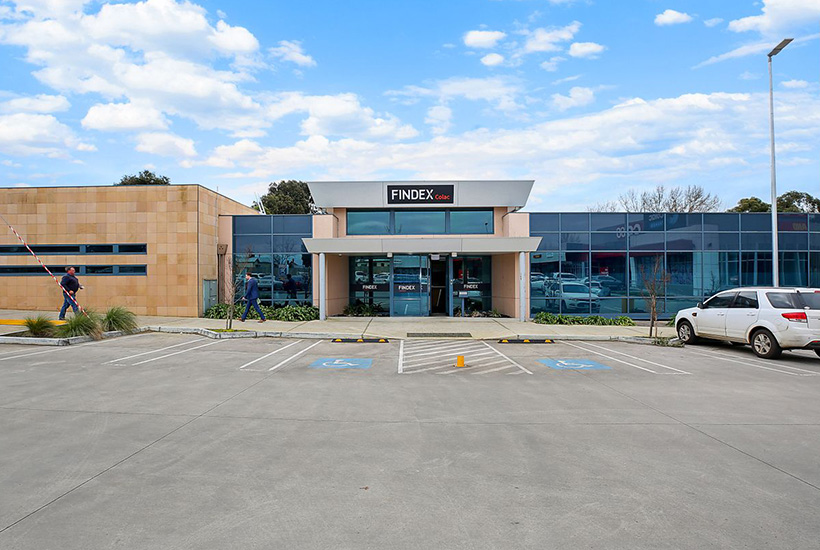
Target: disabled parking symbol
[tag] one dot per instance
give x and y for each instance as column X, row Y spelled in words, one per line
column 573, row 364
column 337, row 363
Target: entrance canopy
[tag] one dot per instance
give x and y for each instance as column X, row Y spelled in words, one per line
column 466, row 245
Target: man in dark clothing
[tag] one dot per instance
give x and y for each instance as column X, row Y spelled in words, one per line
column 71, row 285
column 252, row 297
column 290, row 286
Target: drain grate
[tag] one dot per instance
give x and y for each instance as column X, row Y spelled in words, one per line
column 439, row 335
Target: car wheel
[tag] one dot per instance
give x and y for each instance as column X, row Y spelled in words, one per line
column 764, row 345
column 686, row 333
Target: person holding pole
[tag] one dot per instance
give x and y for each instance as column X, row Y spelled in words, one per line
column 252, row 297
column 71, row 285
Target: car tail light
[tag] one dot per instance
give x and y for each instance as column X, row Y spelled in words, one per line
column 797, row 317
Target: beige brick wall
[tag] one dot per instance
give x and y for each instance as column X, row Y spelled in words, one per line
column 177, row 222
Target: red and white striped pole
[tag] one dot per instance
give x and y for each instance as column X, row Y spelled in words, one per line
column 16, row 234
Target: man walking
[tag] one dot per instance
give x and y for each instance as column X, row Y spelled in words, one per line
column 70, row 285
column 252, row 297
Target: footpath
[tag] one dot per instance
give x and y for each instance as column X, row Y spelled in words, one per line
column 381, row 327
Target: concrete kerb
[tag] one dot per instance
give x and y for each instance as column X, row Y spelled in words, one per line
column 28, row 341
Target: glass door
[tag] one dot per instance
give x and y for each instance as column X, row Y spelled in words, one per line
column 411, row 286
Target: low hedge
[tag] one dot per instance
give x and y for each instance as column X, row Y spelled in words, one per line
column 546, row 318
column 286, row 313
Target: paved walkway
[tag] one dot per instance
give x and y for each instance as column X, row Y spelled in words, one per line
column 386, row 327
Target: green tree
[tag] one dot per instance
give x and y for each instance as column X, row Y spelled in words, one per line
column 792, row 201
column 751, row 204
column 287, row 197
column 146, row 177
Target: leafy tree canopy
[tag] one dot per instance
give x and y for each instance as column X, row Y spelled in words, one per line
column 287, row 197
column 792, row 201
column 146, row 177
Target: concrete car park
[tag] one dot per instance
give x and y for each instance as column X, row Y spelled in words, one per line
column 172, row 441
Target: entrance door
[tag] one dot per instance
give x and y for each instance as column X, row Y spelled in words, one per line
column 439, row 296
column 411, row 286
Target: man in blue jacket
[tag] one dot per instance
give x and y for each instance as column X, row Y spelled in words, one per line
column 70, row 285
column 252, row 297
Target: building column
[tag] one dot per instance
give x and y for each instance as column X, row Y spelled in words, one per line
column 523, row 303
column 322, row 289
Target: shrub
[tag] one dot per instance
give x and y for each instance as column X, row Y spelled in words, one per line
column 82, row 325
column 120, row 319
column 547, row 318
column 40, row 326
column 295, row 313
column 285, row 313
column 361, row 309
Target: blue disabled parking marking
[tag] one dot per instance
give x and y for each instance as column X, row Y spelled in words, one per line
column 336, row 363
column 573, row 364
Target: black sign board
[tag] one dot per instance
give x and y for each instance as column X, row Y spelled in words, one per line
column 371, row 287
column 473, row 287
column 409, row 288
column 420, row 194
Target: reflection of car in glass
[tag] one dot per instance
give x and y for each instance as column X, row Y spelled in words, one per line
column 360, row 277
column 558, row 276
column 607, row 281
column 574, row 297
column 597, row 288
column 538, row 281
column 770, row 319
column 381, row 278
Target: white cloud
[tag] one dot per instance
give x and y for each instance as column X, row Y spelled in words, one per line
column 483, row 39
column 41, row 103
column 439, row 117
column 798, row 84
column 672, row 17
column 492, row 59
column 746, row 75
column 578, row 97
column 715, row 21
column 566, row 79
column 293, row 52
column 118, row 117
column 552, row 64
column 37, row 134
column 165, row 144
column 741, row 51
column 499, row 91
column 780, row 15
column 550, row 39
column 586, row 49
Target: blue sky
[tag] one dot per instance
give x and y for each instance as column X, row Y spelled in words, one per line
column 587, row 97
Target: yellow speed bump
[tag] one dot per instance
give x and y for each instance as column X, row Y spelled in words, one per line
column 460, row 361
column 21, row 322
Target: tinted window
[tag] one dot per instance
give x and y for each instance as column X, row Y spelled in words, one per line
column 248, row 244
column 288, row 243
column 756, row 241
column 792, row 222
column 811, row 299
column 376, row 222
column 56, row 249
column 755, row 222
column 543, row 222
column 549, row 241
column 574, row 222
column 99, row 270
column 133, row 248
column 645, row 222
column 721, row 241
column 252, row 224
column 132, row 270
column 746, row 300
column 684, row 222
column 575, row 241
column 99, row 249
column 420, row 222
column 792, row 241
column 471, row 221
column 607, row 222
column 719, row 301
column 784, row 300
column 608, row 241
column 721, row 222
column 293, row 224
column 646, row 241
column 683, row 241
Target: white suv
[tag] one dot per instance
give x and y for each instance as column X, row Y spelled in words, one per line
column 770, row 319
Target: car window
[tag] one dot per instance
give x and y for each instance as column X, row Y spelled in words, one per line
column 811, row 299
column 784, row 300
column 721, row 300
column 746, row 300
column 576, row 289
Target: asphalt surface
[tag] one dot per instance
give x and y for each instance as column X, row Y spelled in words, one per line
column 175, row 441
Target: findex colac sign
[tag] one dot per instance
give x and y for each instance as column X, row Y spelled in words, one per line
column 420, row 194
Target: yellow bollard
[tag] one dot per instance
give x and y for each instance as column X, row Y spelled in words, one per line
column 460, row 361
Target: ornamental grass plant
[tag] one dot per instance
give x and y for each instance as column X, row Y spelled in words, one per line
column 119, row 319
column 88, row 324
column 39, row 327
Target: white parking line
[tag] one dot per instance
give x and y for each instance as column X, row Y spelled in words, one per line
column 428, row 369
column 453, row 354
column 293, row 356
column 401, row 355
column 678, row 371
column 754, row 359
column 494, row 370
column 505, row 357
column 66, row 348
column 269, row 354
column 748, row 363
column 178, row 352
column 153, row 351
column 440, row 350
column 608, row 357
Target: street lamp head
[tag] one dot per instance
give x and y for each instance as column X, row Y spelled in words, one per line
column 777, row 49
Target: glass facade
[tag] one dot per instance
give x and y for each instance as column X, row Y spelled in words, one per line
column 426, row 221
column 271, row 248
column 589, row 263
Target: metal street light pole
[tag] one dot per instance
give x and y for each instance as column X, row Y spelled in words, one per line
column 775, row 250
